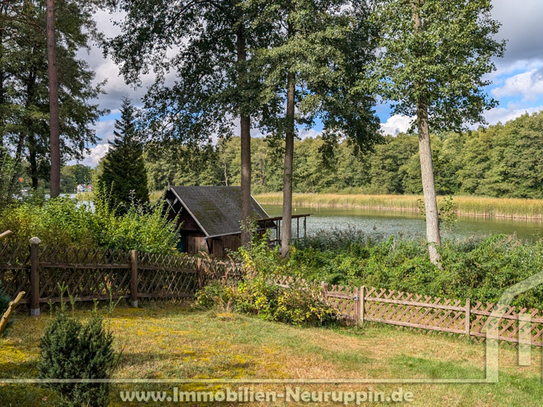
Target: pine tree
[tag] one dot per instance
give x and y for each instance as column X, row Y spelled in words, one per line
column 123, row 181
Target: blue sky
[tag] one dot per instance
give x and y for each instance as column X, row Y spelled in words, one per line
column 517, row 83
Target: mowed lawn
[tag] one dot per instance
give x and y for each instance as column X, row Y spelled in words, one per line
column 174, row 341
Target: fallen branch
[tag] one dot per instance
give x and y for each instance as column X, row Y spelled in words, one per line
column 6, row 233
column 12, row 305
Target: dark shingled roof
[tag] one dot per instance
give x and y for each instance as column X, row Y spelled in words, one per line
column 216, row 209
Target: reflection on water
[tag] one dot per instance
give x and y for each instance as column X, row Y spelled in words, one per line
column 386, row 223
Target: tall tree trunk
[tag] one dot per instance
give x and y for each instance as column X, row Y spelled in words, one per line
column 2, row 125
column 245, row 124
column 428, row 184
column 32, row 147
column 33, row 161
column 225, row 174
column 17, row 163
column 427, row 170
column 2, row 93
column 54, row 120
column 289, row 160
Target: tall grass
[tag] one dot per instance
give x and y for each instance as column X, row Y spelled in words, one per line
column 465, row 205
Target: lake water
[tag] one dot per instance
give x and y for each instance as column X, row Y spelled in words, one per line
column 386, row 223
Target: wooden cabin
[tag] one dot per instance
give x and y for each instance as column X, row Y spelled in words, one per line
column 210, row 218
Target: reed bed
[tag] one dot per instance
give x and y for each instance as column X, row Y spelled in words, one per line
column 465, row 205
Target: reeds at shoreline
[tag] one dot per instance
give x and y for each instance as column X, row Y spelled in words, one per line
column 530, row 209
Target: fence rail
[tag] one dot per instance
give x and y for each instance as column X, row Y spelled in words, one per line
column 517, row 325
column 99, row 274
column 90, row 274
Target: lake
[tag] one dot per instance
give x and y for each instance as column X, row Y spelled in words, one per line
column 386, row 223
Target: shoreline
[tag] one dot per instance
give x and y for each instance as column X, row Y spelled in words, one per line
column 408, row 203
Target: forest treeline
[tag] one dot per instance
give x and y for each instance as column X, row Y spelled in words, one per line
column 497, row 161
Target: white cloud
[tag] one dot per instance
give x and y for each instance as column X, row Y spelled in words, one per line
column 96, row 153
column 311, row 133
column 504, row 115
column 528, row 84
column 396, row 124
column 104, row 130
column 105, row 22
column 521, row 26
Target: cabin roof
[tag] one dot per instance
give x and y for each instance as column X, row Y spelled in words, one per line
column 217, row 210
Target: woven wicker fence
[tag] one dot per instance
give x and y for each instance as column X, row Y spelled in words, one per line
column 98, row 274
column 360, row 304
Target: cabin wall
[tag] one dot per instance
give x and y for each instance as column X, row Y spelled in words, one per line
column 195, row 242
column 220, row 246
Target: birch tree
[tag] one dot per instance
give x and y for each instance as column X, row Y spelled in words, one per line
column 432, row 61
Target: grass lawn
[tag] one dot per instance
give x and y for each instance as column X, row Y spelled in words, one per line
column 173, row 341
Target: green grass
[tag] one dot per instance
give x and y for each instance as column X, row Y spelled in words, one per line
column 173, row 341
column 465, row 205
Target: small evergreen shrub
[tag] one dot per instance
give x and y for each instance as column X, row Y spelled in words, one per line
column 73, row 350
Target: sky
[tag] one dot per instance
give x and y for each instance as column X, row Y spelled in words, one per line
column 517, row 82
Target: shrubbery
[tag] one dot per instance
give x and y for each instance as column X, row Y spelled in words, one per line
column 73, row 350
column 256, row 294
column 299, row 304
column 477, row 269
column 65, row 222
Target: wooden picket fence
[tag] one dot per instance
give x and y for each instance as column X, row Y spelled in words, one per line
column 517, row 325
column 98, row 274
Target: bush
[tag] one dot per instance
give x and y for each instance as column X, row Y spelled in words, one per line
column 65, row 222
column 257, row 294
column 73, row 350
column 479, row 269
column 299, row 304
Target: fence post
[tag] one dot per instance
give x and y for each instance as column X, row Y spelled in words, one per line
column 325, row 289
column 199, row 274
column 362, row 292
column 467, row 322
column 35, row 276
column 134, row 278
column 357, row 305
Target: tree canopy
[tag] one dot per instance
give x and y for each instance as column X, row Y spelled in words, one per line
column 24, row 99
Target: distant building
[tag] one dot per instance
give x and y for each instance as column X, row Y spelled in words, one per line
column 84, row 188
column 210, row 218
